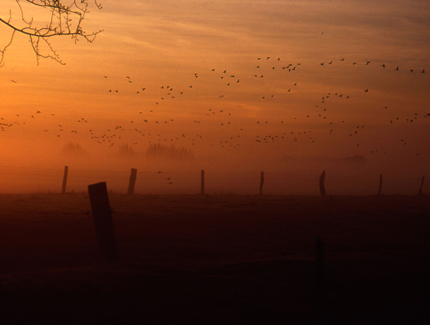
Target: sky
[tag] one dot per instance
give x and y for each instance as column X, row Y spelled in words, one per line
column 290, row 87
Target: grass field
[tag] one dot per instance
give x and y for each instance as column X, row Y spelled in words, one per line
column 217, row 259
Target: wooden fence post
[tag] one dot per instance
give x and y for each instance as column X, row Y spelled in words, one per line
column 380, row 184
column 322, row 187
column 202, row 182
column 261, row 183
column 421, row 187
column 66, row 171
column 102, row 215
column 132, row 181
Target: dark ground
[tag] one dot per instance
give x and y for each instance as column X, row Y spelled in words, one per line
column 215, row 260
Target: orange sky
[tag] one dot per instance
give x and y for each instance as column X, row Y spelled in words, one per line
column 323, row 49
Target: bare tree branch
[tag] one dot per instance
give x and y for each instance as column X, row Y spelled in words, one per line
column 63, row 18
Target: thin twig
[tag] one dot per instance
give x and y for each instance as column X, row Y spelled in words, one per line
column 65, row 20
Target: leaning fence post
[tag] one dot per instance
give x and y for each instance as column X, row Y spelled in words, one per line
column 421, row 187
column 322, row 187
column 202, row 182
column 380, row 184
column 132, row 181
column 102, row 215
column 261, row 183
column 66, row 171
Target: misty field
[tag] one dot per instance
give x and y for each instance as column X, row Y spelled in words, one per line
column 216, row 259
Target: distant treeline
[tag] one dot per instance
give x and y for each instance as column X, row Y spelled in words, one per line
column 161, row 151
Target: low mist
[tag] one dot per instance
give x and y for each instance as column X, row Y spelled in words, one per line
column 165, row 169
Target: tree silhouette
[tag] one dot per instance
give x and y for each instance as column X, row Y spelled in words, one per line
column 49, row 19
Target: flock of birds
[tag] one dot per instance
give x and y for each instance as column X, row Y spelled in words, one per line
column 268, row 79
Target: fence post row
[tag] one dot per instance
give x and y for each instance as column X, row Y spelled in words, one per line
column 132, row 181
column 66, row 171
column 102, row 215
column 133, row 177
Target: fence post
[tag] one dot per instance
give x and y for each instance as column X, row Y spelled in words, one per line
column 102, row 215
column 261, row 183
column 322, row 187
column 66, row 171
column 202, row 182
column 380, row 184
column 421, row 187
column 132, row 181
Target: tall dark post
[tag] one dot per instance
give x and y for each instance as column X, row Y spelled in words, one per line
column 261, row 183
column 202, row 182
column 380, row 185
column 102, row 215
column 132, row 181
column 66, row 171
column 320, row 273
column 322, row 187
column 421, row 187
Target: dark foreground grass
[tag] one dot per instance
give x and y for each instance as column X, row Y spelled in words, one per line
column 215, row 260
